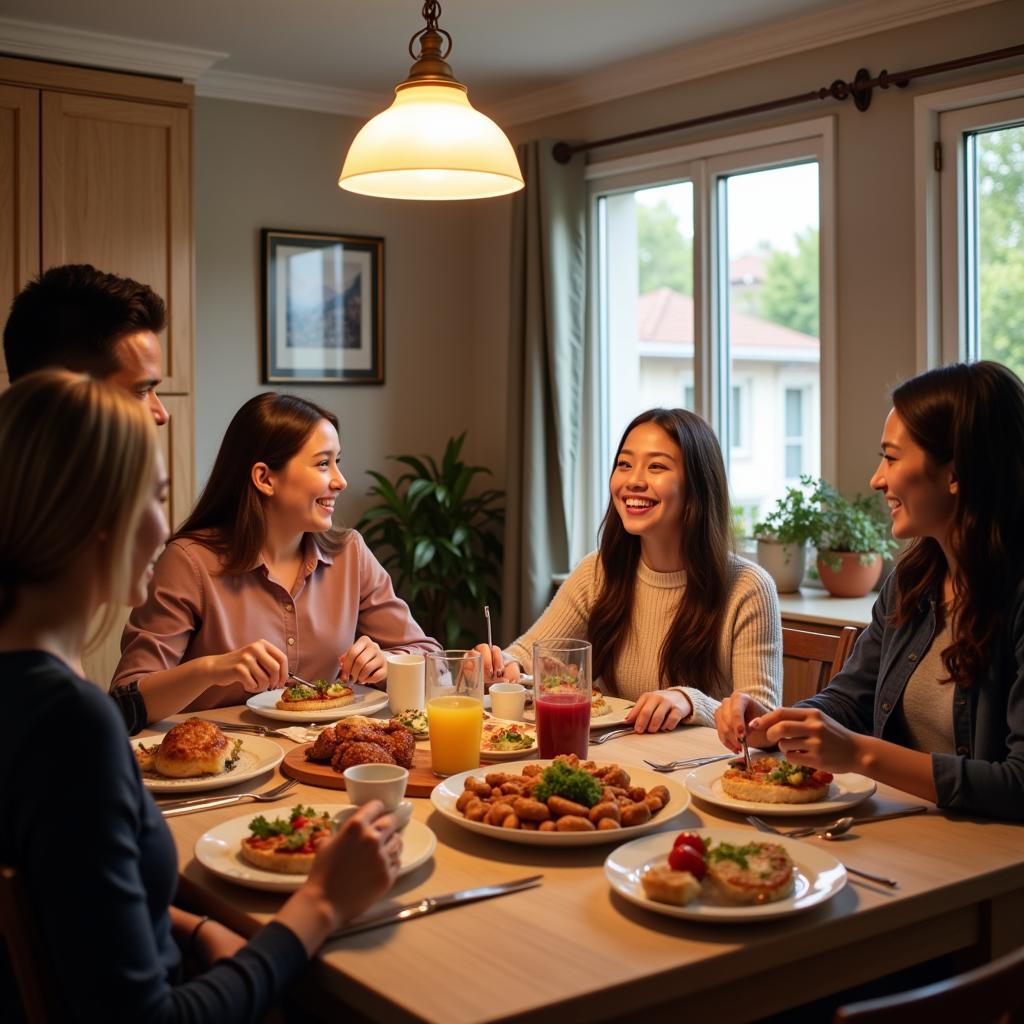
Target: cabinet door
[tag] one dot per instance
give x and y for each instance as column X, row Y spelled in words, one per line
column 19, row 196
column 116, row 192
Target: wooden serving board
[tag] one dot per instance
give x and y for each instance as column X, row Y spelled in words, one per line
column 421, row 779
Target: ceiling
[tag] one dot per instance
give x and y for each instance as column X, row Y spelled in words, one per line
column 503, row 51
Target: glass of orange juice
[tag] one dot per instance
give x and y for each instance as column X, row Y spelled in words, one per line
column 454, row 683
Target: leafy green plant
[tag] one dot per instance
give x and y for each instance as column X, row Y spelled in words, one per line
column 440, row 543
column 857, row 525
column 795, row 519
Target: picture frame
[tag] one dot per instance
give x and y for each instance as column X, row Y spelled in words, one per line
column 323, row 307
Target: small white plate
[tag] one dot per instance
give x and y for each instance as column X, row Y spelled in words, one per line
column 496, row 725
column 845, row 791
column 819, row 876
column 446, row 792
column 616, row 716
column 367, row 701
column 218, row 851
column 258, row 755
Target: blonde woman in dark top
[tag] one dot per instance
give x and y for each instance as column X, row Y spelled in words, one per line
column 82, row 452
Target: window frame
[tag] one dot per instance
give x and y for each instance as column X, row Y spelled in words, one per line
column 707, row 164
column 941, row 118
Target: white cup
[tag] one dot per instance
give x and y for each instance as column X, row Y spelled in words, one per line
column 405, row 682
column 508, row 701
column 383, row 782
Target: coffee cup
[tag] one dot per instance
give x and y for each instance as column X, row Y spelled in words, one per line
column 508, row 701
column 405, row 682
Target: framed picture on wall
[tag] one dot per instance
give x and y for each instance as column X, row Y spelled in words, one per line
column 323, row 308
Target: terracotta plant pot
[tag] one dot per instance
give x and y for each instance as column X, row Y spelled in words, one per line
column 854, row 578
column 785, row 563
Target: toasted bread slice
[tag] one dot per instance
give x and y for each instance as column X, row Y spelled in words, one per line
column 753, row 873
column 664, row 885
column 776, row 781
column 285, row 862
column 303, row 698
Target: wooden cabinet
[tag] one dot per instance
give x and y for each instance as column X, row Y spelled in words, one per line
column 96, row 167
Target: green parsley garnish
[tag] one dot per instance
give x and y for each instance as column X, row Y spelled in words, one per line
column 574, row 784
column 729, row 851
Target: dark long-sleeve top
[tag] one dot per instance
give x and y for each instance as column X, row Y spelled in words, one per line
column 985, row 775
column 100, row 865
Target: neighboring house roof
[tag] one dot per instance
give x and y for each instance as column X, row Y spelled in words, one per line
column 665, row 325
column 747, row 269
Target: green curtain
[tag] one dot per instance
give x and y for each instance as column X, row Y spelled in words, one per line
column 547, row 365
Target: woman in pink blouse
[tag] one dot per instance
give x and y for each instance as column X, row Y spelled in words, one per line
column 257, row 583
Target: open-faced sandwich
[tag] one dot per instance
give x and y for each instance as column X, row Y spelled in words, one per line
column 737, row 874
column 287, row 844
column 598, row 705
column 415, row 721
column 500, row 737
column 189, row 749
column 774, row 780
column 318, row 696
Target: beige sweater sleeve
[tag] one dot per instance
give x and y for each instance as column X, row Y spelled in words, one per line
column 566, row 616
column 750, row 644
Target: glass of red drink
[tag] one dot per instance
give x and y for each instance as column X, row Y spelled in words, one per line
column 561, row 672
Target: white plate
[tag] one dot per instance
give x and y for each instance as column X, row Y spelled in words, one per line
column 819, row 876
column 218, row 851
column 446, row 792
column 367, row 701
column 258, row 755
column 845, row 791
column 616, row 716
column 498, row 724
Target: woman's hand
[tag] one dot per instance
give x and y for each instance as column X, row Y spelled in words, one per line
column 257, row 666
column 355, row 867
column 808, row 737
column 732, row 719
column 659, row 711
column 496, row 669
column 364, row 662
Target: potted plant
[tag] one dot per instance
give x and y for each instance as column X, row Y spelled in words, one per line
column 853, row 537
column 440, row 543
column 783, row 534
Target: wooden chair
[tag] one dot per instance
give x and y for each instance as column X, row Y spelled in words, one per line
column 993, row 994
column 811, row 659
column 17, row 929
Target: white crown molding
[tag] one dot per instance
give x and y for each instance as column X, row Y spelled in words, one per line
column 96, row 49
column 282, row 92
column 725, row 53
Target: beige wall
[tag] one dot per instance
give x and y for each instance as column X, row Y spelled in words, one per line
column 262, row 167
column 875, row 192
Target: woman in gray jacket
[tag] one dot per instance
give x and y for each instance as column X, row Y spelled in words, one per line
column 932, row 699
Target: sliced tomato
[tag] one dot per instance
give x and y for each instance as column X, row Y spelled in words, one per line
column 689, row 839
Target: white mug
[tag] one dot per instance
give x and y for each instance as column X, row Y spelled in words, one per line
column 405, row 682
column 508, row 701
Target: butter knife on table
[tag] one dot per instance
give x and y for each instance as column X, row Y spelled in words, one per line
column 419, row 908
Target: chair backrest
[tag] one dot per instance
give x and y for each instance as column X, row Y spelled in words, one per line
column 28, row 963
column 993, row 994
column 812, row 659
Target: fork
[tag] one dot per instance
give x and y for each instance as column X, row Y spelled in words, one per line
column 762, row 825
column 205, row 803
column 690, row 762
column 260, row 730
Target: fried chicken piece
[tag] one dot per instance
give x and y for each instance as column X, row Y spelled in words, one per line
column 351, row 754
column 355, row 732
column 323, row 746
column 401, row 745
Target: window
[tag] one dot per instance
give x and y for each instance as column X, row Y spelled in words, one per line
column 714, row 271
column 970, row 168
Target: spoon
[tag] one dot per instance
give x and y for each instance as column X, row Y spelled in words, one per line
column 843, row 825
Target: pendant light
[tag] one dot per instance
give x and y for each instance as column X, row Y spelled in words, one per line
column 431, row 143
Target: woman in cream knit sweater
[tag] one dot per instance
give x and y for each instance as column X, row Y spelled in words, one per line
column 677, row 621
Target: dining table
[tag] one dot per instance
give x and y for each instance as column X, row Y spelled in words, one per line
column 572, row 949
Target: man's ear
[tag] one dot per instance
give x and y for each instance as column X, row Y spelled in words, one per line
column 263, row 479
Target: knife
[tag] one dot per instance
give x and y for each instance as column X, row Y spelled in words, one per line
column 408, row 911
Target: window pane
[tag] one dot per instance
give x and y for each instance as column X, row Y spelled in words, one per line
column 995, row 294
column 647, row 273
column 772, row 270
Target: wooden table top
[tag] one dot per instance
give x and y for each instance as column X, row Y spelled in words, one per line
column 572, row 949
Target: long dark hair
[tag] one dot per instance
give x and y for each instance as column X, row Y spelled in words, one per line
column 970, row 416
column 229, row 515
column 689, row 654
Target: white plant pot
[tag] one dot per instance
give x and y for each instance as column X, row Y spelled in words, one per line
column 785, row 563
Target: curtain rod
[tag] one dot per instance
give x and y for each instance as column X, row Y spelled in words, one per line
column 860, row 89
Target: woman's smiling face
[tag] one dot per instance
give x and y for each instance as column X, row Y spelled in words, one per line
column 921, row 496
column 648, row 485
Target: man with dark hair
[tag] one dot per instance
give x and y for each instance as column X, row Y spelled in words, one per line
column 82, row 319
column 79, row 318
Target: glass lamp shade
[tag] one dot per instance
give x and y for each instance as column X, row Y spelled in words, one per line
column 431, row 144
